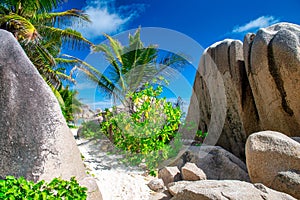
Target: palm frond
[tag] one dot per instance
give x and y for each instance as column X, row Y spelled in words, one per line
column 29, row 7
column 40, row 5
column 135, row 41
column 67, row 35
column 116, row 47
column 57, row 94
column 45, row 54
column 134, row 65
column 4, row 10
column 61, row 18
column 22, row 28
column 65, row 77
column 106, row 50
column 112, row 53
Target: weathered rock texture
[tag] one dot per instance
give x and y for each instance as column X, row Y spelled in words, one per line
column 35, row 141
column 226, row 58
column 216, row 163
column 258, row 88
column 190, row 172
column 169, row 174
column 156, row 185
column 226, row 189
column 272, row 59
column 176, row 187
column 268, row 155
column 288, row 182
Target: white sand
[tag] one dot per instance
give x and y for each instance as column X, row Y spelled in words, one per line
column 115, row 181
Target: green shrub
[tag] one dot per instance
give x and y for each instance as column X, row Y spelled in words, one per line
column 21, row 189
column 146, row 132
column 90, row 129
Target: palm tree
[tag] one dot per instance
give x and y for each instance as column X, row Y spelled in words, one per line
column 70, row 104
column 131, row 67
column 40, row 33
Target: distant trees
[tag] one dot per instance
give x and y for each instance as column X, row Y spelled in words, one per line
column 70, row 105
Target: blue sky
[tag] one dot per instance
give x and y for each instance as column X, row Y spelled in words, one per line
column 201, row 22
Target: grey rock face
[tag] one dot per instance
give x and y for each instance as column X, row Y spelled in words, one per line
column 216, row 163
column 244, row 88
column 268, row 155
column 35, row 141
column 176, row 187
column 227, row 189
column 273, row 67
column 240, row 119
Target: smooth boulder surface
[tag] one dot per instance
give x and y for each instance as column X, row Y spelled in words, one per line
column 269, row 153
column 226, row 189
column 216, row 162
column 273, row 66
column 35, row 140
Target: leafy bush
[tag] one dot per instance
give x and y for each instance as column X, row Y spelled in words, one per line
column 146, row 132
column 90, row 129
column 21, row 189
column 155, row 159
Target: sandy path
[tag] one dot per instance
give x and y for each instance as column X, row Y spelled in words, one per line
column 116, row 181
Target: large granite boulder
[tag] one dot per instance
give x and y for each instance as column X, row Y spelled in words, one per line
column 225, row 189
column 35, row 140
column 269, row 154
column 216, row 162
column 273, row 67
column 244, row 88
column 226, row 59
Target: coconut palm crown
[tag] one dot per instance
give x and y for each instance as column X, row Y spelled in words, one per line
column 132, row 66
column 42, row 32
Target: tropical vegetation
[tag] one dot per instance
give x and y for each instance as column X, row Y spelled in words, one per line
column 144, row 125
column 70, row 105
column 131, row 67
column 146, row 133
column 19, row 188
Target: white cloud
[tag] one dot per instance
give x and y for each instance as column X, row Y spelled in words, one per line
column 106, row 18
column 260, row 22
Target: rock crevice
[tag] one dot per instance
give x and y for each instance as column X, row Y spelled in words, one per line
column 275, row 73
